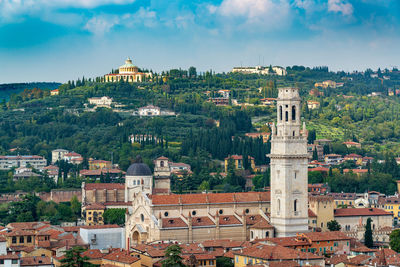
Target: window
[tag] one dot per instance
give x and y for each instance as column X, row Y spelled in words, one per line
column 14, row 261
column 286, row 115
column 251, row 235
column 194, row 213
column 166, row 214
column 293, row 113
column 247, row 211
column 134, row 182
column 279, row 205
column 14, row 239
column 322, row 224
column 1, row 261
column 21, row 239
column 220, row 211
column 161, row 163
column 142, row 217
column 280, row 112
column 295, row 205
column 266, row 234
column 29, row 239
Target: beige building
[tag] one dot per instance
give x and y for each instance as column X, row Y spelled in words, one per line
column 289, row 167
column 322, row 207
column 128, row 73
column 103, row 101
column 353, row 221
column 58, row 154
column 198, row 217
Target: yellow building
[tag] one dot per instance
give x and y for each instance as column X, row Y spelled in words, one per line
column 99, row 164
column 238, row 160
column 128, row 73
column 94, row 214
column 20, row 238
column 392, row 205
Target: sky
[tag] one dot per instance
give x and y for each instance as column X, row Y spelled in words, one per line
column 61, row 40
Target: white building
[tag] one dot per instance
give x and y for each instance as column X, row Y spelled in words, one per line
column 103, row 236
column 149, row 110
column 8, row 162
column 225, row 93
column 103, row 101
column 58, row 154
column 289, row 174
column 276, row 70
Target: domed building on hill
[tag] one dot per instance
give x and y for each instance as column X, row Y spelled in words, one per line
column 128, row 73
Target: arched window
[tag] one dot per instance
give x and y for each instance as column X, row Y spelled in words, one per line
column 293, row 113
column 295, row 205
column 266, row 234
column 280, row 112
column 161, row 163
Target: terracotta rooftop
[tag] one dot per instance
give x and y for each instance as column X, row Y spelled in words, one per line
column 173, row 223
column 35, row 261
column 17, row 232
column 361, row 212
column 223, row 243
column 228, row 220
column 326, row 236
column 262, row 224
column 27, row 225
column 95, row 206
column 358, row 260
column 92, row 254
column 290, row 241
column 336, row 259
column 202, row 221
column 212, row 198
column 108, row 186
column 311, row 213
column 121, row 256
column 273, row 253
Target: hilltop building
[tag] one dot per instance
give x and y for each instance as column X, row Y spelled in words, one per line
column 289, row 163
column 128, row 73
column 276, row 70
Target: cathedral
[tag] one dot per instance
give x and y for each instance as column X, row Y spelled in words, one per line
column 158, row 215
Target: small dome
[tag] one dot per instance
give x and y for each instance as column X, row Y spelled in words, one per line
column 139, row 169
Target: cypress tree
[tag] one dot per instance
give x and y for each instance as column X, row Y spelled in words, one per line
column 368, row 241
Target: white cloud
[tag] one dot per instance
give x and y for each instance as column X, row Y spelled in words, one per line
column 265, row 13
column 101, row 24
column 10, row 10
column 340, row 6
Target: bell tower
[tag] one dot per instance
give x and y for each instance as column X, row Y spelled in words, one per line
column 289, row 159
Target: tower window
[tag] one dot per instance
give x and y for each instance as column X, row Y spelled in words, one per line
column 279, row 205
column 280, row 112
column 295, row 205
column 162, row 164
column 293, row 113
column 287, row 115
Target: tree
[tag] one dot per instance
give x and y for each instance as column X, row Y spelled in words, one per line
column 334, row 226
column 76, row 206
column 73, row 258
column 114, row 216
column 224, row 262
column 395, row 240
column 173, row 257
column 368, row 241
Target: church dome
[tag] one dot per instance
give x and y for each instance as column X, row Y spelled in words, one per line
column 139, row 169
column 128, row 64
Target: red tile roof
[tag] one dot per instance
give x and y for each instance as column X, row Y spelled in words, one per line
column 212, row 198
column 122, row 256
column 95, row 206
column 202, row 221
column 228, row 220
column 262, row 224
column 35, row 261
column 173, row 223
column 326, row 236
column 361, row 212
column 92, row 254
column 311, row 213
column 318, row 169
column 272, row 253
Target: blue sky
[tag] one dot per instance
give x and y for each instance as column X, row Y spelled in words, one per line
column 59, row 40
